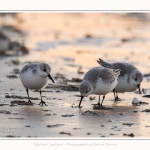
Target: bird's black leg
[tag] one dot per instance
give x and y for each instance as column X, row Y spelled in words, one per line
column 29, row 101
column 98, row 102
column 102, row 100
column 114, row 93
column 117, row 98
column 42, row 102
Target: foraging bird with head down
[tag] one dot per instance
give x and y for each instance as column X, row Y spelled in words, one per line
column 129, row 79
column 99, row 81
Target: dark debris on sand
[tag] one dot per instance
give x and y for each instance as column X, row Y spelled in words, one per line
column 67, row 115
column 65, row 133
column 19, row 97
column 14, row 48
column 18, row 102
column 76, row 80
column 5, row 112
column 146, row 75
column 89, row 113
column 12, row 76
column 65, row 84
column 17, row 118
column 3, row 104
column 10, row 136
column 70, row 88
column 15, row 61
column 64, row 87
column 146, row 110
column 146, row 96
column 143, row 103
column 16, row 71
column 131, row 134
column 128, row 124
column 101, row 107
column 56, row 125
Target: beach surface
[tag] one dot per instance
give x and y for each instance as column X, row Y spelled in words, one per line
column 71, row 43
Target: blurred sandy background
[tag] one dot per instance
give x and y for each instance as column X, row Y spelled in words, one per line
column 85, row 37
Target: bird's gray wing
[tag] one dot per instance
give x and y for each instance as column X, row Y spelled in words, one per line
column 24, row 69
column 98, row 72
column 124, row 67
column 32, row 67
column 107, row 75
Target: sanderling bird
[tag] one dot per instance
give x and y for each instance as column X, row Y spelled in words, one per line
column 129, row 79
column 34, row 76
column 99, row 81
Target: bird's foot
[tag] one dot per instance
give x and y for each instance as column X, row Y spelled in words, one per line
column 98, row 107
column 42, row 102
column 97, row 104
column 79, row 106
column 29, row 102
column 117, row 99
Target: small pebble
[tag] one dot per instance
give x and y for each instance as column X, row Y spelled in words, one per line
column 16, row 71
column 92, row 98
column 135, row 101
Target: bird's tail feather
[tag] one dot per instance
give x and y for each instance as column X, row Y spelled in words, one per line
column 103, row 63
column 116, row 72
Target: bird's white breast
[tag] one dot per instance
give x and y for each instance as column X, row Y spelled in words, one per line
column 125, row 86
column 102, row 87
column 32, row 81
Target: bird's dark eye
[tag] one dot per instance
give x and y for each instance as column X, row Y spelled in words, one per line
column 44, row 70
column 135, row 79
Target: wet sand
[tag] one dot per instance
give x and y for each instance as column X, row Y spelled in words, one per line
column 71, row 47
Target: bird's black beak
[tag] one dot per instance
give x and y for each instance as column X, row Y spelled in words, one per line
column 50, row 78
column 81, row 100
column 139, row 89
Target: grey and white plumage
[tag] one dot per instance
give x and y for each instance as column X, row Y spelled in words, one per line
column 100, row 81
column 129, row 79
column 34, row 76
